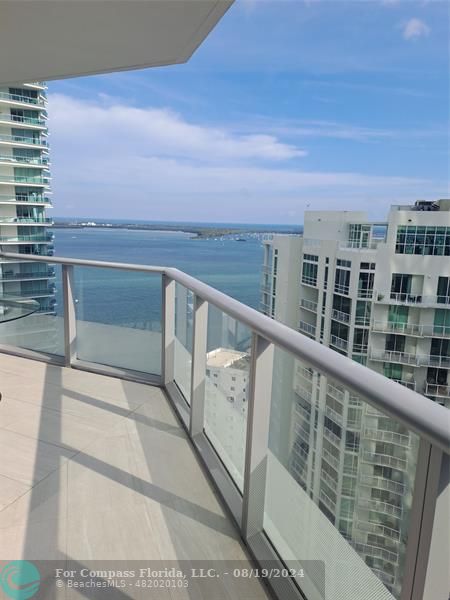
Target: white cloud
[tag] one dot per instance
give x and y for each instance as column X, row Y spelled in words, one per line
column 114, row 161
column 161, row 132
column 415, row 28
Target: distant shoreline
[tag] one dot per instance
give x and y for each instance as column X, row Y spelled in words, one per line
column 197, row 232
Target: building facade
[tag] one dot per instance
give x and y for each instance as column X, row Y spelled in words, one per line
column 378, row 293
column 24, row 194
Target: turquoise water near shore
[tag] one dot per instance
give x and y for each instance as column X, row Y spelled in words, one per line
column 115, row 297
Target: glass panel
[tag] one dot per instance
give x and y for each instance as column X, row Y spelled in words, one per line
column 43, row 330
column 339, row 485
column 184, row 306
column 227, row 380
column 119, row 318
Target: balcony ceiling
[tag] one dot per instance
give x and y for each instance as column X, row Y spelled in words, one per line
column 54, row 39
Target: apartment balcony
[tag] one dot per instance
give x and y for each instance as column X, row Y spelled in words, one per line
column 18, row 180
column 412, row 359
column 23, row 141
column 383, row 484
column 437, row 389
column 26, row 200
column 38, row 238
column 38, row 162
column 411, row 329
column 391, row 437
column 38, row 221
column 36, row 292
column 343, row 290
column 308, row 305
column 340, row 316
column 365, row 294
column 115, row 455
column 307, row 328
column 339, row 343
column 385, row 460
column 410, row 299
column 23, row 101
column 6, row 276
column 19, row 121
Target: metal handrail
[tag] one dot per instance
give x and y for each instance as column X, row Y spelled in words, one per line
column 427, row 419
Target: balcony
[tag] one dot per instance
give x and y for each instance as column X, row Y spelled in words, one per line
column 27, row 276
column 411, row 329
column 20, row 140
column 19, row 121
column 36, row 103
column 25, row 199
column 30, row 161
column 438, row 390
column 36, row 181
column 38, row 238
column 340, row 316
column 308, row 305
column 307, row 328
column 26, row 221
column 123, row 437
column 408, row 358
column 410, row 299
column 339, row 343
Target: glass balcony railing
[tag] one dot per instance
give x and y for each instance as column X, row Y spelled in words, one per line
column 26, row 220
column 35, row 238
column 21, row 98
column 308, row 305
column 18, row 119
column 22, row 139
column 28, row 160
column 412, row 329
column 307, row 328
column 36, row 180
column 328, row 467
column 20, row 198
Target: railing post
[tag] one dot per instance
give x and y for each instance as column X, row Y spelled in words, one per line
column 198, row 366
column 168, row 329
column 258, row 420
column 70, row 318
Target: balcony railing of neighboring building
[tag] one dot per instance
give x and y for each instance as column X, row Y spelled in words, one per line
column 34, row 161
column 409, row 358
column 36, row 238
column 21, row 139
column 348, row 245
column 412, row 329
column 308, row 305
column 278, row 519
column 36, row 102
column 19, row 119
column 307, row 328
column 26, row 221
column 340, row 316
column 36, row 180
column 408, row 298
column 437, row 389
column 28, row 198
column 27, row 275
column 338, row 342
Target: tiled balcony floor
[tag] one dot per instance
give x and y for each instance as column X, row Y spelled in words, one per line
column 97, row 468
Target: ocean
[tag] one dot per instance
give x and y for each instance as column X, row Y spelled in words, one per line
column 133, row 299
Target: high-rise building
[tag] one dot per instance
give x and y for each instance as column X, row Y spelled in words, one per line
column 24, row 189
column 380, row 294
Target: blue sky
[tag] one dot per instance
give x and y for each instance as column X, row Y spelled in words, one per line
column 286, row 106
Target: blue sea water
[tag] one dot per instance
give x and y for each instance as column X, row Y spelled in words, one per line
column 134, row 299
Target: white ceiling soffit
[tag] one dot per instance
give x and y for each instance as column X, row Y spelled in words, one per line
column 54, row 39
